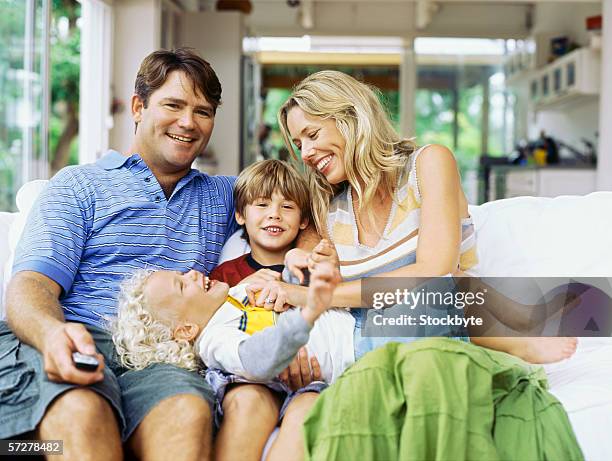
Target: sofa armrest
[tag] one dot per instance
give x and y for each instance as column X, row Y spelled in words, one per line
column 6, row 221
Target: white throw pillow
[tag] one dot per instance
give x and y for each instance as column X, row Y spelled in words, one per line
column 234, row 247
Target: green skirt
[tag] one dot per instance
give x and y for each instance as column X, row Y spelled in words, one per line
column 439, row 399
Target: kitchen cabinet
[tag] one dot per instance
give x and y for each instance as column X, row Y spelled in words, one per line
column 549, row 181
column 571, row 77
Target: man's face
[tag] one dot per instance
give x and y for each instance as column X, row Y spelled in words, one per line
column 175, row 126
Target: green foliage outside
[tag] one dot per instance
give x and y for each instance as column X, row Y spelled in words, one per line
column 12, row 20
column 275, row 97
column 435, row 118
column 65, row 68
column 64, row 75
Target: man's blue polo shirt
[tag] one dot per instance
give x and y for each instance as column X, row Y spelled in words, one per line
column 95, row 224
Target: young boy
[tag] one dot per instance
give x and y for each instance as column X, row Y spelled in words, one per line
column 272, row 206
column 173, row 318
column 169, row 316
column 272, row 203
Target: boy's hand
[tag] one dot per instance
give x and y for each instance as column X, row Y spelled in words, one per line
column 325, row 251
column 296, row 260
column 262, row 276
column 302, row 371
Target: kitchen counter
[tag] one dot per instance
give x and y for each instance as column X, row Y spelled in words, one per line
column 542, row 181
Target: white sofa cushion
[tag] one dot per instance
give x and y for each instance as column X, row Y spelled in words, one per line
column 6, row 220
column 234, row 247
column 565, row 236
column 26, row 196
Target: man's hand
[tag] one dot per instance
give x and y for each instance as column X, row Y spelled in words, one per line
column 262, row 276
column 59, row 345
column 299, row 373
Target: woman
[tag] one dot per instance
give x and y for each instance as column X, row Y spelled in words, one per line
column 391, row 210
column 396, row 211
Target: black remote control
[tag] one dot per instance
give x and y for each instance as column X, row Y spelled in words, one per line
column 85, row 362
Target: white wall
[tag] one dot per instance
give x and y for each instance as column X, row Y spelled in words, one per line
column 568, row 18
column 569, row 123
column 95, row 99
column 136, row 34
column 604, row 164
column 218, row 38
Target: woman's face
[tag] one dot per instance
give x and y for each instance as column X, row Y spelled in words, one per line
column 320, row 143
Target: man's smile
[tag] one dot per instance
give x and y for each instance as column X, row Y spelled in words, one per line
column 180, row 138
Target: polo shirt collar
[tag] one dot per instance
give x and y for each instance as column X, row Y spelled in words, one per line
column 113, row 160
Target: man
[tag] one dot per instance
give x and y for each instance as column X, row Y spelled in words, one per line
column 93, row 225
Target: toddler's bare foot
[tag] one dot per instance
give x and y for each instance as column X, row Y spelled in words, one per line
column 544, row 349
column 324, row 278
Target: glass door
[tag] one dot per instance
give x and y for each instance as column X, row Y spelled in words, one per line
column 24, row 92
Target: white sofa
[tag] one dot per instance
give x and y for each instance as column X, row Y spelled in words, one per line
column 526, row 236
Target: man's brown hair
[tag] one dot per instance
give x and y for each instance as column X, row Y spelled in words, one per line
column 262, row 179
column 156, row 67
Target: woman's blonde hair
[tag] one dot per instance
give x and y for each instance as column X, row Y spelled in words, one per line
column 374, row 154
column 140, row 337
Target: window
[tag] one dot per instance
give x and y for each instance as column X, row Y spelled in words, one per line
column 462, row 101
column 24, row 33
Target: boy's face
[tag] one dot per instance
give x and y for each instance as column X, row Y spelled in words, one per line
column 272, row 223
column 175, row 126
column 184, row 297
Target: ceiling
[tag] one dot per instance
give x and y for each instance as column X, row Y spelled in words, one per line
column 403, row 18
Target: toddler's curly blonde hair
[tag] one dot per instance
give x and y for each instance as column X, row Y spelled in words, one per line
column 140, row 337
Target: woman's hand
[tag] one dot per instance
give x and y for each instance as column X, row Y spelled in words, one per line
column 262, row 276
column 297, row 259
column 275, row 295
